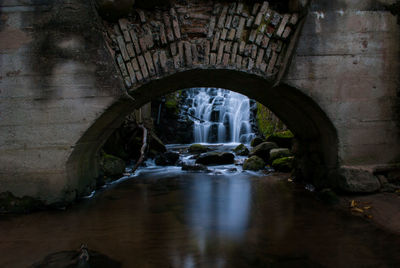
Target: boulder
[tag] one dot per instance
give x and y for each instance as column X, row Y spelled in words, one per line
column 279, row 153
column 253, row 163
column 256, row 141
column 197, row 148
column 283, row 139
column 111, row 166
column 284, row 164
column 355, row 180
column 215, row 158
column 167, row 159
column 241, row 149
column 262, row 150
column 196, row 167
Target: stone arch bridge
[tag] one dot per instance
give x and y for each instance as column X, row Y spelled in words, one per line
column 328, row 69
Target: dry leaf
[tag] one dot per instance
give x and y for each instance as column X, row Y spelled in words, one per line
column 357, row 210
column 367, row 207
column 353, row 203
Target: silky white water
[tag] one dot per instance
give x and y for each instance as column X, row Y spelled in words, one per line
column 220, row 116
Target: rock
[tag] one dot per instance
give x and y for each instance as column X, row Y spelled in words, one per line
column 196, row 167
column 355, row 180
column 279, row 153
column 215, row 158
column 197, row 148
column 262, row 150
column 253, row 163
column 284, row 164
column 256, row 141
column 12, row 204
column 241, row 149
column 72, row 258
column 167, row 159
column 111, row 166
column 283, row 139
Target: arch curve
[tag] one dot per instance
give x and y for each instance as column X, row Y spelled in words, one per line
column 317, row 137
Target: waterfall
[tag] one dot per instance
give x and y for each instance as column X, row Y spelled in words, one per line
column 219, row 115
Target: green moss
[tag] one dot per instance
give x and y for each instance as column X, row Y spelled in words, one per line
column 283, row 134
column 241, row 149
column 253, row 163
column 267, row 122
column 172, row 101
column 197, row 148
column 284, row 164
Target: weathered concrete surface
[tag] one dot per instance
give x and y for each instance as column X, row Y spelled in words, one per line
column 62, row 92
column 347, row 60
column 55, row 79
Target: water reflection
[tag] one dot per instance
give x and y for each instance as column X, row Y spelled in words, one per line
column 219, row 207
column 201, row 220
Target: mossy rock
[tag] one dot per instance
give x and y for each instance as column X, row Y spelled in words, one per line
column 284, row 139
column 262, row 150
column 256, row 141
column 197, row 148
column 216, row 158
column 111, row 165
column 284, row 164
column 253, row 163
column 279, row 153
column 241, row 149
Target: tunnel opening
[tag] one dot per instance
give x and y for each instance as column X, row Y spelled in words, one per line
column 316, row 147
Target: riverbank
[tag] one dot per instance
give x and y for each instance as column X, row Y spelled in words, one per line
column 381, row 209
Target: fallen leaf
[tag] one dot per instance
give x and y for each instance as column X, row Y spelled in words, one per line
column 367, row 207
column 353, row 203
column 357, row 210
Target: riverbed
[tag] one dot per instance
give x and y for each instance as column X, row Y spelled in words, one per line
column 171, row 218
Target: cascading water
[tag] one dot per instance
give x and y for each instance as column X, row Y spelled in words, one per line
column 219, row 116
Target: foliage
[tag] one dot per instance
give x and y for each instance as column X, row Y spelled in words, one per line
column 267, row 122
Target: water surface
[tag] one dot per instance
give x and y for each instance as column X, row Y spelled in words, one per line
column 177, row 219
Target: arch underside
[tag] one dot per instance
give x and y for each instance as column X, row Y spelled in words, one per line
column 316, row 135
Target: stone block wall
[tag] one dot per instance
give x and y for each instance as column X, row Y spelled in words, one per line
column 222, row 35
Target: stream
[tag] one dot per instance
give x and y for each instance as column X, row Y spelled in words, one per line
column 166, row 217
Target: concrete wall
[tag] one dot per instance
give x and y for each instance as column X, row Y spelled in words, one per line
column 56, row 78
column 60, row 90
column 347, row 60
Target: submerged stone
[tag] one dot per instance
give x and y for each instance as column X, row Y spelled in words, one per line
column 215, row 158
column 167, row 159
column 197, row 148
column 253, row 163
column 196, row 167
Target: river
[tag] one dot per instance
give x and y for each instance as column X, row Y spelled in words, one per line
column 165, row 217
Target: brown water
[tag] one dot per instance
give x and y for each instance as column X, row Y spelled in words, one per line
column 200, row 220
